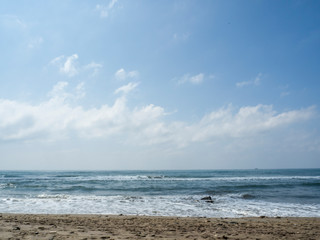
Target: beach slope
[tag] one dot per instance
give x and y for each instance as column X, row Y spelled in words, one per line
column 28, row 226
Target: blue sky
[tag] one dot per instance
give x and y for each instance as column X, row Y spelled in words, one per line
column 159, row 84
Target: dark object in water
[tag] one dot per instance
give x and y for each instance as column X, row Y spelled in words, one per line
column 207, row 199
column 248, row 196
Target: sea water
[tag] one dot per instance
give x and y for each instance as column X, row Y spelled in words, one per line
column 235, row 193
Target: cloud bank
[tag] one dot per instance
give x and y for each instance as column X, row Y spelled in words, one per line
column 60, row 117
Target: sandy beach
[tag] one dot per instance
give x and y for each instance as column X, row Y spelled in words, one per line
column 27, row 226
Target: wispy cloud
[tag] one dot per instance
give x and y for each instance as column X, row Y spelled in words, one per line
column 187, row 78
column 284, row 94
column 70, row 67
column 60, row 94
column 126, row 88
column 35, row 42
column 67, row 65
column 12, row 21
column 106, row 9
column 178, row 37
column 95, row 67
column 57, row 60
column 121, row 74
column 256, row 81
column 21, row 27
column 284, row 91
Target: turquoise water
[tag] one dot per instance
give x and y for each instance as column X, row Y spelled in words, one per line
column 235, row 193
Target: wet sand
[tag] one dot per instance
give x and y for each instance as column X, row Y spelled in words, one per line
column 26, row 226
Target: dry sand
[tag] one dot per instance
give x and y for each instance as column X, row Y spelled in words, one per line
column 24, row 226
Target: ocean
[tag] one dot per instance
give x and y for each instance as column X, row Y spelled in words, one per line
column 234, row 193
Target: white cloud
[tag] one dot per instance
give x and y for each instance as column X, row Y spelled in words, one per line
column 58, row 90
column 60, row 94
column 112, row 3
column 254, row 82
column 247, row 121
column 80, row 91
column 196, row 79
column 69, row 66
column 126, row 88
column 61, row 117
column 121, row 74
column 95, row 67
column 57, row 118
column 57, row 60
column 105, row 10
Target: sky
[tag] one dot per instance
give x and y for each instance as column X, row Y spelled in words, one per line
column 170, row 84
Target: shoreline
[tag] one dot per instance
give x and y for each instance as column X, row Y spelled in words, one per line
column 89, row 226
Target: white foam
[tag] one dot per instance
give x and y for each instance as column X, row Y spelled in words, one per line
column 7, row 185
column 224, row 206
column 168, row 178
